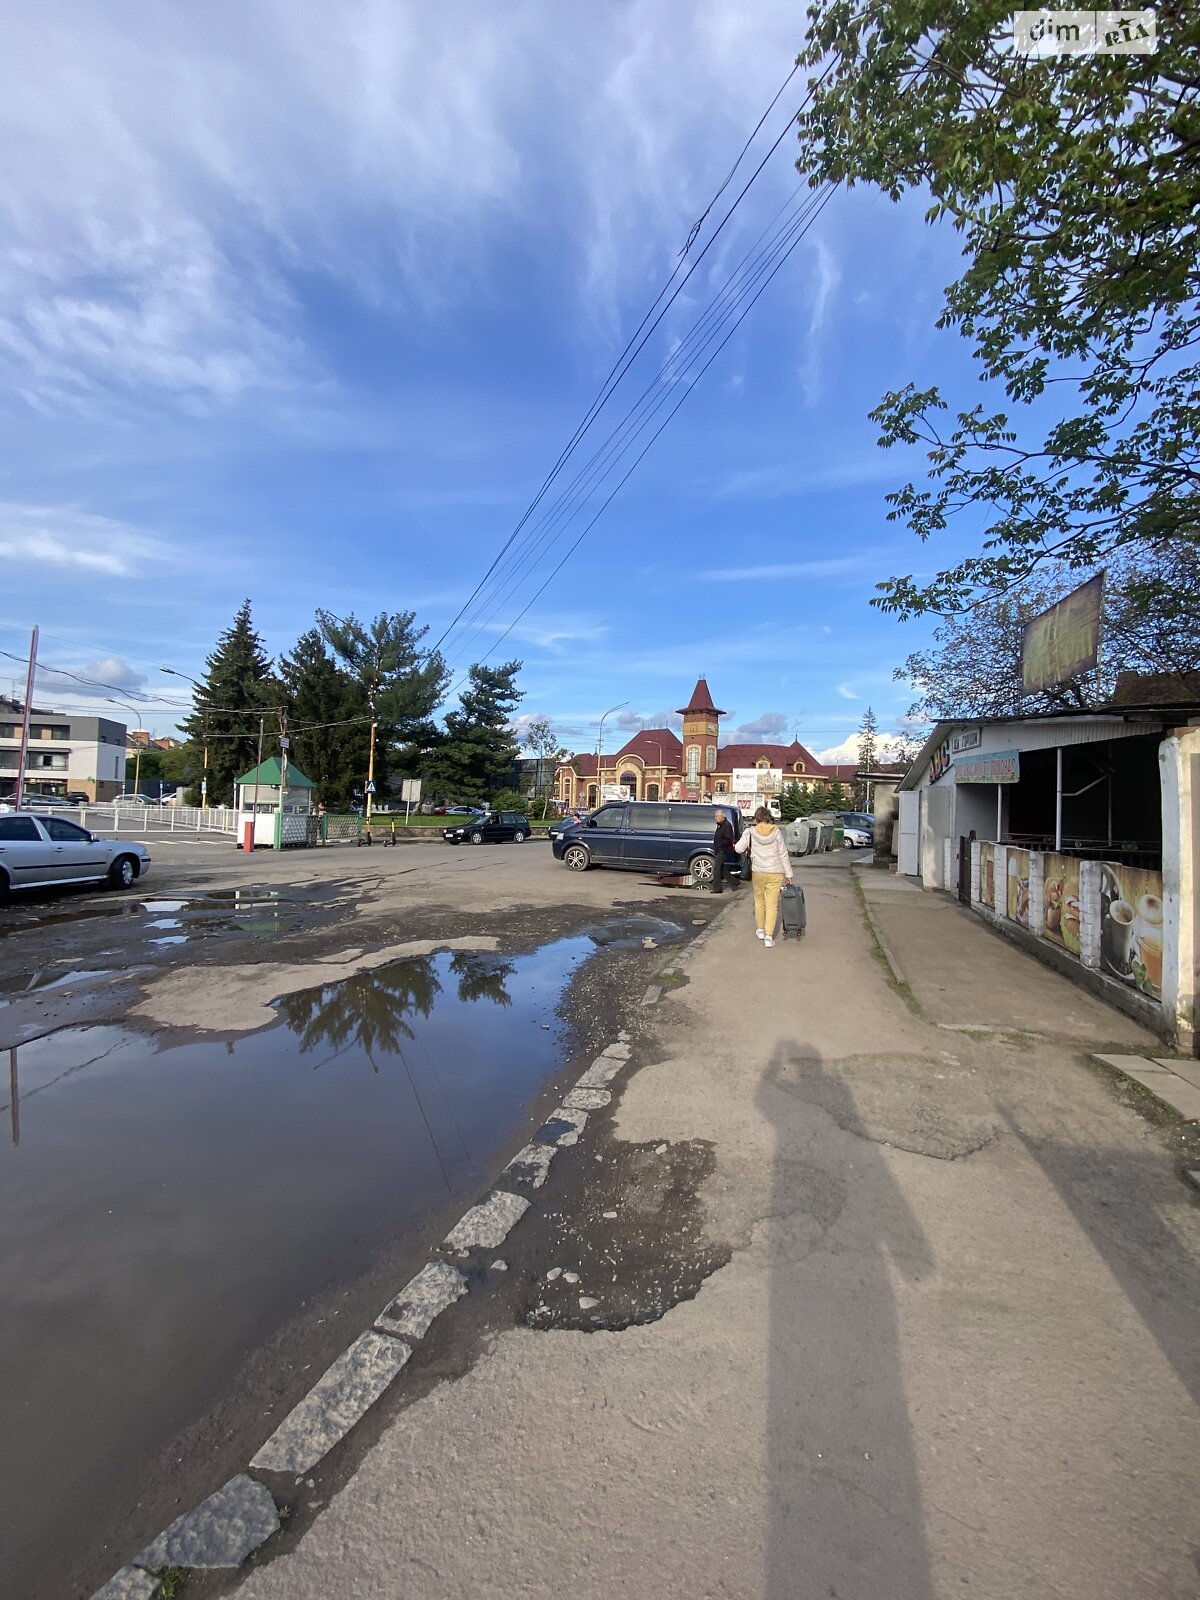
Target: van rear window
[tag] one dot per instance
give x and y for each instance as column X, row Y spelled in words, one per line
column 697, row 820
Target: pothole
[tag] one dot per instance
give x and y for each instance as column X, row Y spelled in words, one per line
column 631, row 1246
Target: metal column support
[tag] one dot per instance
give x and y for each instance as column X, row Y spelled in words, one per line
column 1058, row 796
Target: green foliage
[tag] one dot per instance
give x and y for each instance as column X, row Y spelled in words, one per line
column 1073, row 185
column 328, row 720
column 238, row 687
column 510, row 800
column 401, row 687
column 542, row 741
column 835, row 798
column 791, row 802
column 474, row 757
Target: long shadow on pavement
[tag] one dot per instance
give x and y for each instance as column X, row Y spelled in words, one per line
column 846, row 1513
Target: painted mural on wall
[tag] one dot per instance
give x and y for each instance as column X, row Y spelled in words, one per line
column 1131, row 926
column 987, row 874
column 1061, row 905
column 1018, row 887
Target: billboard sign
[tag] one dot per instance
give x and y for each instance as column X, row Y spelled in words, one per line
column 757, row 780
column 998, row 766
column 1063, row 642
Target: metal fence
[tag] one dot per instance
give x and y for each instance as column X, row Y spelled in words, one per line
column 144, row 820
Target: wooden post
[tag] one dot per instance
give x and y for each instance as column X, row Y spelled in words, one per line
column 24, row 755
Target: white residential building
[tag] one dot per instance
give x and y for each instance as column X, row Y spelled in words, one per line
column 68, row 754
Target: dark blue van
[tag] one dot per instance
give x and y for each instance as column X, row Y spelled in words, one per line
column 647, row 836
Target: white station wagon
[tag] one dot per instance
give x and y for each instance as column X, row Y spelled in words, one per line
column 42, row 851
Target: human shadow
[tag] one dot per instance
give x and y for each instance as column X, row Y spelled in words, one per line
column 846, row 1515
column 1117, row 1197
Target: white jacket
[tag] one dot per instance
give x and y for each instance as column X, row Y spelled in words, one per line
column 768, row 849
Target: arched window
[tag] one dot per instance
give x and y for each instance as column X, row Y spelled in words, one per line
column 711, row 758
column 722, row 786
column 762, row 761
column 797, row 766
column 628, row 781
column 651, row 791
column 693, row 762
column 593, row 796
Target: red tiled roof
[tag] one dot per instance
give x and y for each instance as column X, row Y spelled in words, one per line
column 584, row 766
column 701, row 700
column 649, row 743
column 844, row 771
column 779, row 755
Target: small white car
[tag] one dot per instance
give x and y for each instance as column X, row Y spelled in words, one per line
column 41, row 851
column 856, row 838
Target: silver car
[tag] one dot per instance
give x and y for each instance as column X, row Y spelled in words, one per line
column 40, row 851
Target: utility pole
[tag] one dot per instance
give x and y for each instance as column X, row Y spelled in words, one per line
column 284, row 742
column 370, row 794
column 257, row 773
column 24, row 755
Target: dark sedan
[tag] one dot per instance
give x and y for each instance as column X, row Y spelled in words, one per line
column 493, row 827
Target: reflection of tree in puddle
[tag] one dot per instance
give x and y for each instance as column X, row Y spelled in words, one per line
column 482, row 977
column 368, row 1010
column 373, row 1009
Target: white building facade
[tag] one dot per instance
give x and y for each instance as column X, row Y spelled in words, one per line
column 67, row 754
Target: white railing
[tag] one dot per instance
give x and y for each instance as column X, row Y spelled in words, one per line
column 135, row 819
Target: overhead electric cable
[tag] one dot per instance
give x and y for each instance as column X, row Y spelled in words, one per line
column 829, row 191
column 650, row 400
column 639, row 338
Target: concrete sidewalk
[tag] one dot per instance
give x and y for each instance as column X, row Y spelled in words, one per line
column 952, row 1352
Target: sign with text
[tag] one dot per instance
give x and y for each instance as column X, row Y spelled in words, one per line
column 1063, row 642
column 966, row 739
column 998, row 766
column 757, row 780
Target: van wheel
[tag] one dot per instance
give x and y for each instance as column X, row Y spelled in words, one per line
column 122, row 872
column 702, row 869
column 577, row 858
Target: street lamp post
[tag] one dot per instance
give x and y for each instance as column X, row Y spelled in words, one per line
column 600, row 744
column 172, row 672
column 137, row 759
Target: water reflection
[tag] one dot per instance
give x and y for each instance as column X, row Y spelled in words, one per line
column 372, row 1011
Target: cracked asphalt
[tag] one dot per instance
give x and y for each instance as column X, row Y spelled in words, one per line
column 860, row 1305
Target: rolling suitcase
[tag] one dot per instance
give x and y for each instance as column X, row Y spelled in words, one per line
column 792, row 911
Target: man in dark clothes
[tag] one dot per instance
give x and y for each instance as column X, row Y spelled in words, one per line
column 722, row 845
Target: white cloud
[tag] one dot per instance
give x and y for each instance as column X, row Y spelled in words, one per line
column 68, row 539
column 773, row 727
column 846, row 692
column 174, row 178
column 828, row 276
column 825, row 567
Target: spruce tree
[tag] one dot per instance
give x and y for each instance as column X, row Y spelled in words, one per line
column 475, row 756
column 238, row 688
column 327, row 718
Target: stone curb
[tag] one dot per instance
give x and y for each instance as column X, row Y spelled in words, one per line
column 884, row 946
column 1159, row 1078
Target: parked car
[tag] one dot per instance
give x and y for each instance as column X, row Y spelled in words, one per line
column 464, row 811
column 856, row 838
column 646, row 836
column 40, row 851
column 862, row 820
column 77, row 797
column 491, row 827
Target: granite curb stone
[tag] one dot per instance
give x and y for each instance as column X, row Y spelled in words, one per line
column 338, row 1399
column 220, row 1532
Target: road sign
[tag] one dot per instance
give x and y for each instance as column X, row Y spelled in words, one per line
column 371, row 786
column 410, row 790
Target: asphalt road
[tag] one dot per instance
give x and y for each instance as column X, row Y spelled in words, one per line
column 197, row 1209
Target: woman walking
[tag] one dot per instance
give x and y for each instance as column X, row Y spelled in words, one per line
column 770, row 867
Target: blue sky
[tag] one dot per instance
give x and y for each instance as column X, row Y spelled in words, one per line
column 301, row 302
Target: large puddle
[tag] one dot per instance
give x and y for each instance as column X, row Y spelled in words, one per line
column 168, row 921
column 166, row 1212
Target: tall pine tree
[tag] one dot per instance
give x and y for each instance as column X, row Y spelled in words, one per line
column 475, row 756
column 238, row 686
column 327, row 719
column 400, row 685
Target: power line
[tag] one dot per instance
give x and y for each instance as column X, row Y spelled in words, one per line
column 652, row 398
column 828, row 193
column 640, row 338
